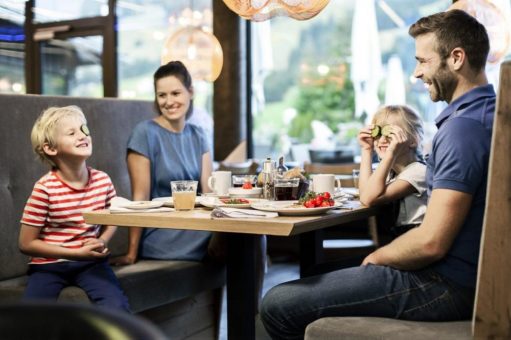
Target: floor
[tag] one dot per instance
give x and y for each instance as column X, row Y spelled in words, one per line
column 277, row 272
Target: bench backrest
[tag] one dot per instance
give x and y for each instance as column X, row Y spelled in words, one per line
column 492, row 312
column 110, row 121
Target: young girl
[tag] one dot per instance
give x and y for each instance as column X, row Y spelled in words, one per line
column 395, row 135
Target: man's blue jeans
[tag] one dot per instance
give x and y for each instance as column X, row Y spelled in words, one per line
column 370, row 290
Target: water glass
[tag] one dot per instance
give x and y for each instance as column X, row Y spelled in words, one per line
column 183, row 194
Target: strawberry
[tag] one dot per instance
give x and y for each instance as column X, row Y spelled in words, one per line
column 247, row 185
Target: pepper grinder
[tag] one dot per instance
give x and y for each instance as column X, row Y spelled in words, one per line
column 268, row 170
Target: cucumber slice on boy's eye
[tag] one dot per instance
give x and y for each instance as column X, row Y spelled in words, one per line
column 385, row 131
column 375, row 131
column 85, row 130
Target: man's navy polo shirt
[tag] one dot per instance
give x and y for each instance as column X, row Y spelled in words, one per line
column 459, row 161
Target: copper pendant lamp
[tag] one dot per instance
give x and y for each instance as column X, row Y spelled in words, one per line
column 496, row 23
column 199, row 50
column 261, row 10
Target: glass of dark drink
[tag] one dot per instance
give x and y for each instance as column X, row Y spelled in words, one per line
column 286, row 189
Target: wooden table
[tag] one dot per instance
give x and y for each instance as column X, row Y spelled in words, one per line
column 241, row 243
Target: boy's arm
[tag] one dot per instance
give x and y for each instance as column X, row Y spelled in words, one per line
column 30, row 244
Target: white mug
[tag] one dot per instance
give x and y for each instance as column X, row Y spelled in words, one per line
column 325, row 183
column 220, row 182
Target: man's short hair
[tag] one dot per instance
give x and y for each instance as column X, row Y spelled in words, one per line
column 456, row 28
column 44, row 129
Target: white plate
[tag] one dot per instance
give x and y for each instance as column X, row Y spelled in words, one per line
column 240, row 192
column 212, row 194
column 212, row 202
column 288, row 208
column 169, row 202
column 141, row 205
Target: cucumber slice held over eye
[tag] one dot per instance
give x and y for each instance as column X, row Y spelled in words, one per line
column 375, row 131
column 386, row 130
column 85, row 130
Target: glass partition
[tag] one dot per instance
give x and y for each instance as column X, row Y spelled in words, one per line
column 72, row 67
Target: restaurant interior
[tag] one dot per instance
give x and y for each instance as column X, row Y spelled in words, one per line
column 283, row 85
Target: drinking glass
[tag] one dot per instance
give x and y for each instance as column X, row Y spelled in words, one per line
column 183, row 194
column 286, row 189
column 356, row 174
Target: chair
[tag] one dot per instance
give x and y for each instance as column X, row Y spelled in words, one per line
column 58, row 321
column 493, row 297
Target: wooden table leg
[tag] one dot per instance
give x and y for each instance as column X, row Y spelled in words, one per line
column 241, row 286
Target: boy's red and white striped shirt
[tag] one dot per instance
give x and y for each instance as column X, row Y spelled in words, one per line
column 57, row 209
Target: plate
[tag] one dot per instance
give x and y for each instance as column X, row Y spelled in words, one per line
column 351, row 191
column 212, row 194
column 141, row 205
column 169, row 201
column 212, row 202
column 287, row 208
column 240, row 192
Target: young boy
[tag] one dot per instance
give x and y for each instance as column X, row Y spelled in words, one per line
column 64, row 249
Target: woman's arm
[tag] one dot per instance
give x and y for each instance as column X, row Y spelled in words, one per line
column 139, row 169
column 207, row 168
column 30, row 244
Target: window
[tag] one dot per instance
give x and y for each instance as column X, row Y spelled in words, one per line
column 305, row 75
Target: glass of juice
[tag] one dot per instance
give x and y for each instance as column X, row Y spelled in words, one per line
column 183, row 194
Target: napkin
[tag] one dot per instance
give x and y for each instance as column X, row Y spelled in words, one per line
column 117, row 205
column 241, row 213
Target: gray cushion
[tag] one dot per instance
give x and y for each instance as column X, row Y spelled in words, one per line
column 362, row 328
column 147, row 283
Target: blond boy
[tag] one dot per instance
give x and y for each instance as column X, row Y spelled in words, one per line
column 64, row 249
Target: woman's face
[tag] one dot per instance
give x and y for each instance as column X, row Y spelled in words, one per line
column 173, row 98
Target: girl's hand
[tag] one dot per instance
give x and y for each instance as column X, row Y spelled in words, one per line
column 399, row 141
column 364, row 138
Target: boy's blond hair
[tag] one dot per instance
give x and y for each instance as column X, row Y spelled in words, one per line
column 45, row 126
column 412, row 122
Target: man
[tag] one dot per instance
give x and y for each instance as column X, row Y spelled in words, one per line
column 428, row 273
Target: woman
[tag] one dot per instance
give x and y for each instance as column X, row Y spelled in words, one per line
column 164, row 149
column 161, row 150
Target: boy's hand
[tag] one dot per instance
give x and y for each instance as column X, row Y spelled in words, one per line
column 365, row 139
column 98, row 242
column 92, row 252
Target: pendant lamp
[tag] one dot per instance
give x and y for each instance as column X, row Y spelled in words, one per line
column 199, row 50
column 261, row 10
column 494, row 20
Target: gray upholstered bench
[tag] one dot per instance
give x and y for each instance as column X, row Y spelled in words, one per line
column 182, row 298
column 365, row 328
